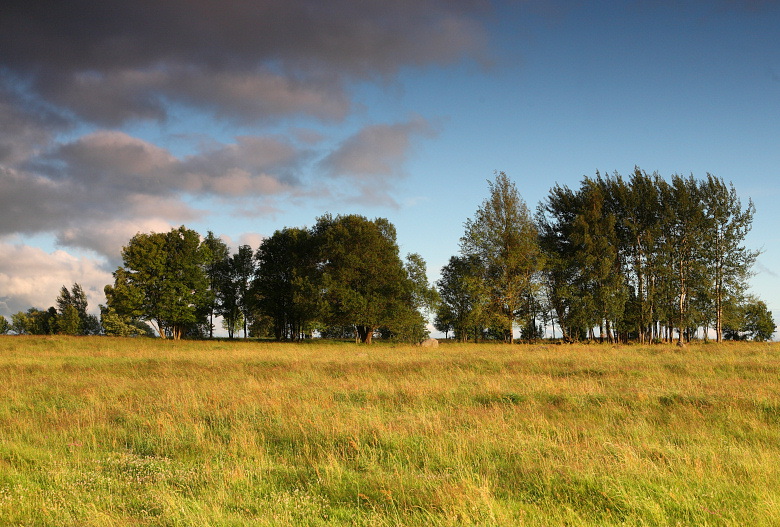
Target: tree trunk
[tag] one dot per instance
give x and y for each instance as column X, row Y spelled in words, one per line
column 158, row 326
column 681, row 305
column 511, row 333
column 640, row 293
column 718, row 304
column 365, row 333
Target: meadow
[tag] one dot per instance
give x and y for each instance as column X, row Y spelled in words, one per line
column 109, row 431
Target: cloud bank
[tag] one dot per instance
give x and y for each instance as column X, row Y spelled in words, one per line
column 108, row 61
column 79, row 81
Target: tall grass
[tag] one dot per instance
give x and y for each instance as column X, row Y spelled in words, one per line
column 104, row 431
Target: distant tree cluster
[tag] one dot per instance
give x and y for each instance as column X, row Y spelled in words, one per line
column 70, row 317
column 343, row 277
column 618, row 259
column 636, row 259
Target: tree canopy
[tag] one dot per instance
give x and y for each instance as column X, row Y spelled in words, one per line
column 645, row 256
column 163, row 281
column 502, row 238
column 639, row 258
column 364, row 281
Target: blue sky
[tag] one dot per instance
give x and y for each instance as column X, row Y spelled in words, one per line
column 117, row 118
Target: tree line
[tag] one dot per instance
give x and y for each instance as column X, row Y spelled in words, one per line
column 341, row 278
column 617, row 259
column 70, row 317
column 638, row 258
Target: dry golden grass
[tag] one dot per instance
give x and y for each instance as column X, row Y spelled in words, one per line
column 104, row 431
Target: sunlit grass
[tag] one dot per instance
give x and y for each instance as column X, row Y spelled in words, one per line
column 104, row 431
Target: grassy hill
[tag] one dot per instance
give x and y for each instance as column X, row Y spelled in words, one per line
column 105, row 431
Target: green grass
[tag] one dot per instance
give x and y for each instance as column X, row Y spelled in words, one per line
column 103, row 431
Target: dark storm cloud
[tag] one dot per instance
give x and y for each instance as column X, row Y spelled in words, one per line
column 108, row 61
column 120, row 164
column 102, row 188
column 24, row 127
column 67, row 66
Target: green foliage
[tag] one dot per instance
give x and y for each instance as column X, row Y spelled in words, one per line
column 644, row 256
column 72, row 316
column 683, row 225
column 287, row 285
column 749, row 320
column 115, row 324
column 231, row 286
column 364, row 280
column 464, row 304
column 34, row 322
column 233, row 325
column 408, row 322
column 69, row 318
column 503, row 238
column 5, row 326
column 424, row 297
column 348, row 263
column 163, row 281
column 20, row 323
column 729, row 263
column 760, row 325
column 216, row 253
column 69, row 321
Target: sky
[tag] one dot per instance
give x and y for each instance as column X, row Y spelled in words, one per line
column 246, row 117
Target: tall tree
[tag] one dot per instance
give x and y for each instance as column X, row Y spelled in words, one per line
column 555, row 217
column 584, row 278
column 683, row 228
column 72, row 316
column 216, row 255
column 749, row 320
column 286, row 287
column 503, row 237
column 228, row 298
column 728, row 261
column 636, row 205
column 124, row 306
column 363, row 277
column 409, row 321
column 243, row 270
column 424, row 297
column 601, row 280
column 163, row 281
column 759, row 324
column 232, row 289
column 463, row 303
column 20, row 323
column 650, row 255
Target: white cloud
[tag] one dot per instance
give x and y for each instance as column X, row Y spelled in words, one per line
column 108, row 238
column 31, row 277
column 251, row 239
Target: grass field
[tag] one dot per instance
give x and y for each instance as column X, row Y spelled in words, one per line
column 104, row 431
